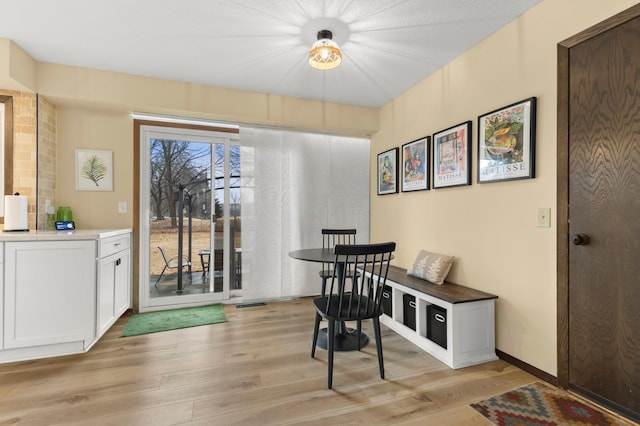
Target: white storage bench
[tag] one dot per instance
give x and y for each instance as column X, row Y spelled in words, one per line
column 452, row 322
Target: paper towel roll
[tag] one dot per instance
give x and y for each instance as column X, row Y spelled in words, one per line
column 15, row 213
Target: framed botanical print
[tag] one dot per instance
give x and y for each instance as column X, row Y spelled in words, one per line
column 506, row 142
column 452, row 156
column 388, row 172
column 94, row 170
column 415, row 165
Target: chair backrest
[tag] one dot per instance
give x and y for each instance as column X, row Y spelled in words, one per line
column 366, row 266
column 164, row 256
column 333, row 237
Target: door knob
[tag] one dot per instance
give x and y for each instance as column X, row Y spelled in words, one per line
column 580, row 239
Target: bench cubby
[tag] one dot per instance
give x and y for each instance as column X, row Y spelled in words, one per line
column 465, row 334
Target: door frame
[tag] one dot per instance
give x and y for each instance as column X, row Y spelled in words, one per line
column 137, row 144
column 562, row 208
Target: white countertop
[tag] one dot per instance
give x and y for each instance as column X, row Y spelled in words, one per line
column 78, row 234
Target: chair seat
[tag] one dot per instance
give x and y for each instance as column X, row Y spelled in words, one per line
column 325, row 273
column 367, row 309
column 173, row 263
column 328, row 273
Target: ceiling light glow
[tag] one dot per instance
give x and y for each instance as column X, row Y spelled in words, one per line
column 325, row 53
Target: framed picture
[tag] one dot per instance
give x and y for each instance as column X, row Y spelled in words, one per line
column 415, row 165
column 94, row 170
column 506, row 142
column 388, row 172
column 452, row 156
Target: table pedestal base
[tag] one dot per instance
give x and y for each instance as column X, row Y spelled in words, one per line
column 345, row 341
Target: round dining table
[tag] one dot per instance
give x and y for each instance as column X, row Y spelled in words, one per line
column 346, row 339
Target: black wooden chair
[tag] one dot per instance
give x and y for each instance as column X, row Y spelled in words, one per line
column 362, row 302
column 330, row 238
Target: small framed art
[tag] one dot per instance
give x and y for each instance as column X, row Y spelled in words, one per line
column 94, row 170
column 388, row 172
column 415, row 165
column 506, row 142
column 452, row 156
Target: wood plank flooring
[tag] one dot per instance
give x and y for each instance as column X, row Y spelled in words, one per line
column 255, row 369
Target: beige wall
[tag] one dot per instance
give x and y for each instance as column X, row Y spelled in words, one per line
column 491, row 228
column 66, row 85
column 17, row 68
column 87, row 128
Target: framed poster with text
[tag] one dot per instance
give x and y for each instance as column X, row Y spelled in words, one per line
column 415, row 165
column 452, row 156
column 506, row 142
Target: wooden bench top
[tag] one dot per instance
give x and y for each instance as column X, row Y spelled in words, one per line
column 449, row 292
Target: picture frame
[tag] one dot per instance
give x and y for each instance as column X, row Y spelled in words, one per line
column 94, row 170
column 506, row 142
column 388, row 172
column 415, row 165
column 452, row 156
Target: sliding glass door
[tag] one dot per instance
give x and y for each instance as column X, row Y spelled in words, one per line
column 190, row 217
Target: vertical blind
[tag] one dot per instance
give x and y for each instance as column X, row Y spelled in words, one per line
column 293, row 184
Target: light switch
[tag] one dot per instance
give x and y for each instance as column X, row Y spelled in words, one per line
column 122, row 207
column 544, row 217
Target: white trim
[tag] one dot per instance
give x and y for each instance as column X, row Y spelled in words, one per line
column 148, row 132
column 181, row 120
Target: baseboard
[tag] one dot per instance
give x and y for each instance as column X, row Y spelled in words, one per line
column 543, row 375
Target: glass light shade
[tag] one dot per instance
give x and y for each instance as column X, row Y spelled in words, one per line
column 325, row 54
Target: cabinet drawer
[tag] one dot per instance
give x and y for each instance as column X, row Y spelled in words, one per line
column 113, row 245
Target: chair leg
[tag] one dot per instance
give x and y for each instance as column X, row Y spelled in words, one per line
column 190, row 278
column 330, row 341
column 376, row 328
column 161, row 274
column 314, row 341
column 359, row 332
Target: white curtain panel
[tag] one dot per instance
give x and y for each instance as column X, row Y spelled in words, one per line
column 294, row 184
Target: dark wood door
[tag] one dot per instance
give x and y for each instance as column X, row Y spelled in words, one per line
column 604, row 205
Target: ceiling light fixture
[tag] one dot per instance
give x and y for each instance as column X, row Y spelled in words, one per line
column 325, row 53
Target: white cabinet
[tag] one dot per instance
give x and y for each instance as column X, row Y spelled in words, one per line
column 453, row 323
column 49, row 293
column 114, row 279
column 59, row 292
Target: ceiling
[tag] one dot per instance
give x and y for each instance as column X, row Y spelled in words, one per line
column 260, row 45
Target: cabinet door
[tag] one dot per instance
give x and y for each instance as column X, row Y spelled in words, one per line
column 122, row 284
column 113, row 289
column 106, row 291
column 49, row 293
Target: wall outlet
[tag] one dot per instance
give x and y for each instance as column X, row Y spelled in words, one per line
column 122, row 207
column 544, row 217
column 48, row 208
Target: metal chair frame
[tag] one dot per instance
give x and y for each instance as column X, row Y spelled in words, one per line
column 172, row 263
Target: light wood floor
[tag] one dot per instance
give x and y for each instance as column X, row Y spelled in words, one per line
column 253, row 370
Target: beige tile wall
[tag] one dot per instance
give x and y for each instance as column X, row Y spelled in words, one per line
column 25, row 148
column 46, row 161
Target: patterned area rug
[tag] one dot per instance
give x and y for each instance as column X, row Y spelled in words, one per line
column 541, row 405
